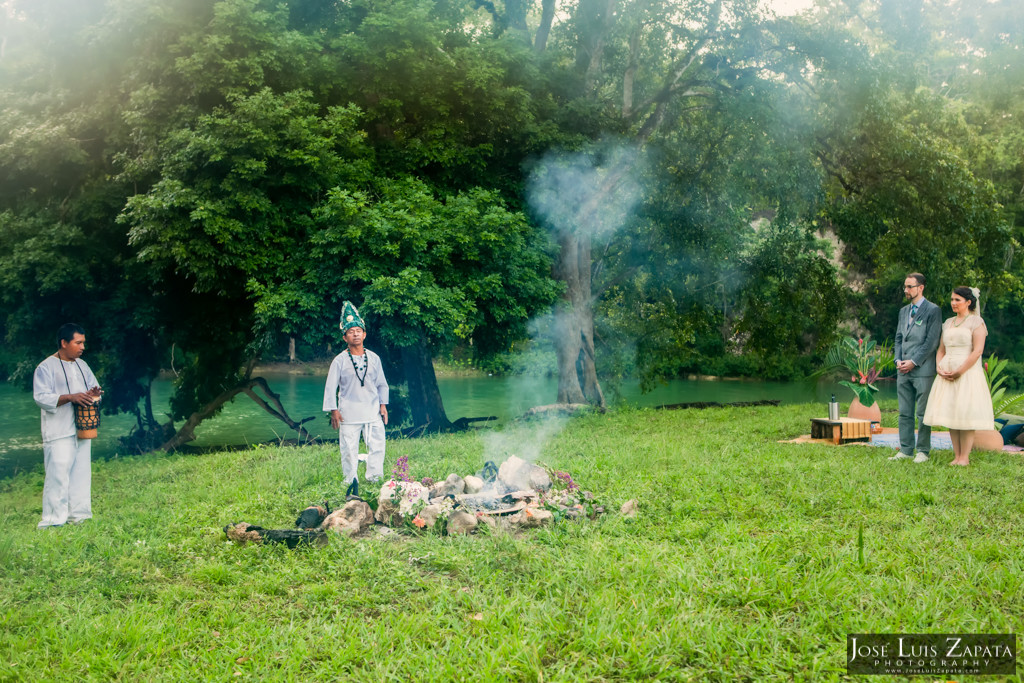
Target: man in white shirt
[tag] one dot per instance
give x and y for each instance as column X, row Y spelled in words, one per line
column 356, row 396
column 59, row 381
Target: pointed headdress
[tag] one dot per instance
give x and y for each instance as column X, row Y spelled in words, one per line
column 350, row 318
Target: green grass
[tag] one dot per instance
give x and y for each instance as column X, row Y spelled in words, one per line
column 748, row 560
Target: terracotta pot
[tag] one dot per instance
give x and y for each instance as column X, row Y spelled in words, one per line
column 859, row 411
column 988, row 440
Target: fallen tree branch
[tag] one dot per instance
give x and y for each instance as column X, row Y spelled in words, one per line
column 713, row 404
column 187, row 431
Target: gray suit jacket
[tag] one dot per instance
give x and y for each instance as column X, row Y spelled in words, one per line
column 918, row 340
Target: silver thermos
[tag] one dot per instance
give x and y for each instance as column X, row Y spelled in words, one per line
column 833, row 409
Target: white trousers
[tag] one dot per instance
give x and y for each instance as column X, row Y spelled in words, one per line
column 67, row 488
column 348, row 442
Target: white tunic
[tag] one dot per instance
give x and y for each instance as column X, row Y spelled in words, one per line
column 48, row 384
column 358, row 404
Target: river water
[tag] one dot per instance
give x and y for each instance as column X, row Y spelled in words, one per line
column 243, row 422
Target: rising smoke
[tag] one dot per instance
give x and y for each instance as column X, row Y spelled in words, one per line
column 593, row 191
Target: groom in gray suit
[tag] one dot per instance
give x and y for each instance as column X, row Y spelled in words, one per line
column 917, row 339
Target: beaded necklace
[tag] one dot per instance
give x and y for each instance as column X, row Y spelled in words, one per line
column 355, row 368
column 958, row 324
column 84, row 381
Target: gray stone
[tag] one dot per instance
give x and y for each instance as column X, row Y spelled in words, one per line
column 539, row 479
column 628, row 509
column 515, row 474
column 461, row 522
column 406, row 494
column 474, row 484
column 454, row 485
column 429, row 514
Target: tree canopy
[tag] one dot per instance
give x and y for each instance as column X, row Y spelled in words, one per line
column 696, row 186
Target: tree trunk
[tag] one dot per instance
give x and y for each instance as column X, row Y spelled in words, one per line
column 515, row 17
column 151, row 421
column 291, row 349
column 574, row 324
column 595, row 19
column 187, row 431
column 547, row 15
column 425, row 402
column 574, row 327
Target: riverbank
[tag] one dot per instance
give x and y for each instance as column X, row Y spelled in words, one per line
column 749, row 559
column 319, row 368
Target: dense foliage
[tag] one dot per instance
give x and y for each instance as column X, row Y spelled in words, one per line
column 199, row 181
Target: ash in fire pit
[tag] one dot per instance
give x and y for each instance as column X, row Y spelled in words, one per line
column 519, row 494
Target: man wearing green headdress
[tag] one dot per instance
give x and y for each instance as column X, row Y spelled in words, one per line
column 356, row 396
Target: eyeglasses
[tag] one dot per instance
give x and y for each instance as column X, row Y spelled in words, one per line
column 912, row 286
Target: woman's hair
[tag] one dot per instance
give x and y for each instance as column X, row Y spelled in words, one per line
column 966, row 293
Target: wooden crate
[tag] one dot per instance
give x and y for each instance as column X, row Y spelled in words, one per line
column 843, row 430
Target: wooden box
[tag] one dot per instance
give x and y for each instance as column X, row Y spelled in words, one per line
column 843, row 430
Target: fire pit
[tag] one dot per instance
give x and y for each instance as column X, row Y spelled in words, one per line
column 516, row 494
column 519, row 494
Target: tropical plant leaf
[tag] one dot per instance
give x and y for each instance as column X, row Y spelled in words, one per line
column 1008, row 405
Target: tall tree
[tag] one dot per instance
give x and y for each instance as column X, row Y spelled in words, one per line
column 639, row 70
column 431, row 271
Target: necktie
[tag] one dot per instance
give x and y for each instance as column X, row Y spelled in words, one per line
column 913, row 310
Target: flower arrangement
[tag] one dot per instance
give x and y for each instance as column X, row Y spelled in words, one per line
column 410, row 495
column 566, row 498
column 865, row 360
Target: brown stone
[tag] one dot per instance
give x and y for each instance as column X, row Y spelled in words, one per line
column 387, row 512
column 461, row 522
column 535, row 517
column 351, row 519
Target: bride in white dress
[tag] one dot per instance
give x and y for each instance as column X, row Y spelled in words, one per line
column 960, row 398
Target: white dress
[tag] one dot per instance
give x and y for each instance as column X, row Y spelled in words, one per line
column 964, row 403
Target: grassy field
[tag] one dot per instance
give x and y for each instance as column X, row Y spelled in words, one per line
column 742, row 564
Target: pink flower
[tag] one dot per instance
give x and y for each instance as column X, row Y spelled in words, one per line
column 860, row 342
column 419, row 521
